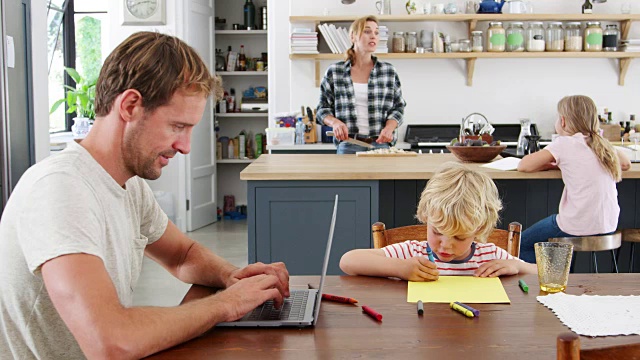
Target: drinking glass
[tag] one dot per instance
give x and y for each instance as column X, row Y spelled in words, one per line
column 554, row 261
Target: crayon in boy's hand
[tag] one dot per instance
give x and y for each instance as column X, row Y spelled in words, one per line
column 430, row 255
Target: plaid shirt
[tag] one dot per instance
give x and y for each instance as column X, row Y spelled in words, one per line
column 337, row 96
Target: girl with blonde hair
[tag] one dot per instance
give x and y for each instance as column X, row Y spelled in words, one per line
column 590, row 168
column 361, row 96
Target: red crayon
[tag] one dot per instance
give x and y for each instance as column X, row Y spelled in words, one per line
column 374, row 314
column 337, row 298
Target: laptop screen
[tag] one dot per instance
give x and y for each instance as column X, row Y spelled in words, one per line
column 326, row 261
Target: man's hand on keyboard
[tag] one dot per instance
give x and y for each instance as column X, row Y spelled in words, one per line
column 248, row 293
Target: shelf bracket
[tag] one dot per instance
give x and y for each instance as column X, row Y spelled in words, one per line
column 471, row 65
column 624, row 66
column 472, row 26
column 625, row 27
column 317, row 64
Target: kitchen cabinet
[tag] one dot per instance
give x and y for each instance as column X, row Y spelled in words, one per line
column 471, row 21
column 230, row 124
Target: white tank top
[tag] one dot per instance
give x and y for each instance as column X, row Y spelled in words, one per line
column 362, row 107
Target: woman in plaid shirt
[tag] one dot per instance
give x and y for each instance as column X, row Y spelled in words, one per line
column 361, row 97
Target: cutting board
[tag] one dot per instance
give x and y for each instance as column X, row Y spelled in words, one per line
column 369, row 154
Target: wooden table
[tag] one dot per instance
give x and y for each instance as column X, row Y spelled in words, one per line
column 523, row 330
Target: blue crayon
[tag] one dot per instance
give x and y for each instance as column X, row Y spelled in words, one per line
column 475, row 312
column 430, row 254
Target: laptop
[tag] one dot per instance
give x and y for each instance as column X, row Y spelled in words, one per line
column 300, row 309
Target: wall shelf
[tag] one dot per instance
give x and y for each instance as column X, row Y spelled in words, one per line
column 242, row 73
column 472, row 20
column 241, row 32
column 243, row 115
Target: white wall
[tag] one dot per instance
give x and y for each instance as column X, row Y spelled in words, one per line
column 39, row 71
column 504, row 89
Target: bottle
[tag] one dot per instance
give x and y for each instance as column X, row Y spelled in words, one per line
column 587, row 7
column 299, row 132
column 609, row 118
column 249, row 15
column 242, row 142
column 242, row 60
column 525, row 130
column 231, row 100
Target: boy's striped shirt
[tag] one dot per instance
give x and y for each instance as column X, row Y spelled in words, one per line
column 480, row 253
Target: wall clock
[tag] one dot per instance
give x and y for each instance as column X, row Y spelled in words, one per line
column 143, row 12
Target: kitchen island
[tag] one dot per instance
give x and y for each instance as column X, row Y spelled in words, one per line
column 290, row 199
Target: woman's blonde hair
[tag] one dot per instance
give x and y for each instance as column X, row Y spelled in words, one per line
column 356, row 29
column 581, row 116
column 460, row 202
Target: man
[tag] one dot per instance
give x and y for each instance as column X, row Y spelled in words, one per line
column 75, row 229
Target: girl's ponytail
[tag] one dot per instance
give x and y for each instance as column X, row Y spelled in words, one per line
column 351, row 55
column 607, row 155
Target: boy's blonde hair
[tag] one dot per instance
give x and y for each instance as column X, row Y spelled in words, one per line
column 356, row 29
column 460, row 202
column 581, row 116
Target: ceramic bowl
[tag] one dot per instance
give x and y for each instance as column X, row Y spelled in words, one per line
column 476, row 153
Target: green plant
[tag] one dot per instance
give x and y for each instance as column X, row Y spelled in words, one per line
column 80, row 99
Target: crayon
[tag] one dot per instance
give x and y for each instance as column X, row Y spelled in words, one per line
column 475, row 312
column 430, row 254
column 420, row 307
column 337, row 298
column 369, row 311
column 462, row 310
column 523, row 285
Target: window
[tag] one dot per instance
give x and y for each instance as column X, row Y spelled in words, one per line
column 75, row 33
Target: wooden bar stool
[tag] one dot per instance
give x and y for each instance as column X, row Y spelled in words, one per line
column 594, row 243
column 632, row 236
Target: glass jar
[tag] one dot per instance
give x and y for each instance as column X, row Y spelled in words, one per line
column 411, row 42
column 397, row 43
column 515, row 37
column 476, row 37
column 572, row 36
column 496, row 37
column 535, row 37
column 554, row 41
column 610, row 38
column 593, row 36
column 465, row 45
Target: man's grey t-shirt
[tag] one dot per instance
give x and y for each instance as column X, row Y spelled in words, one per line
column 67, row 204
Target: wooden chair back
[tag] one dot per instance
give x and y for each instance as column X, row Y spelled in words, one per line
column 506, row 239
column 568, row 348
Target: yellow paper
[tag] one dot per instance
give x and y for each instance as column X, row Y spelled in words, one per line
column 465, row 289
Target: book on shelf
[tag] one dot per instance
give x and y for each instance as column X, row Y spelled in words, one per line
column 304, row 41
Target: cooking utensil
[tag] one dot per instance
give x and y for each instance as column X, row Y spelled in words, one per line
column 353, row 141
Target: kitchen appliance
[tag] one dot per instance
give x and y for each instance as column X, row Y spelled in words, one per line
column 490, row 7
column 435, row 137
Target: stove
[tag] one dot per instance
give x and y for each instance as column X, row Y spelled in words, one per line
column 437, row 137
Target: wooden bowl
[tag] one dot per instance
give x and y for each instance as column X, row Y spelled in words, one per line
column 476, row 153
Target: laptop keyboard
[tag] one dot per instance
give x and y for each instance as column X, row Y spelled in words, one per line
column 292, row 309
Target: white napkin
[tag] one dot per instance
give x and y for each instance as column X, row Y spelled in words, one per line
column 594, row 315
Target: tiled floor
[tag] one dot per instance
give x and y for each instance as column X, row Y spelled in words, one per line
column 156, row 287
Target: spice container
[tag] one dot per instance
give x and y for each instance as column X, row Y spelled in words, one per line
column 610, row 38
column 554, row 41
column 455, row 46
column 465, row 45
column 476, row 37
column 411, row 42
column 397, row 43
column 572, row 37
column 496, row 38
column 535, row 37
column 593, row 36
column 515, row 37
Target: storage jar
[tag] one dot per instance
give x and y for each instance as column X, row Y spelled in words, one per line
column 496, row 37
column 554, row 41
column 535, row 37
column 572, row 36
column 593, row 36
column 411, row 42
column 397, row 43
column 515, row 37
column 610, row 38
column 477, row 41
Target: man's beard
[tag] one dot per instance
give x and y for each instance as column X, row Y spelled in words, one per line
column 135, row 160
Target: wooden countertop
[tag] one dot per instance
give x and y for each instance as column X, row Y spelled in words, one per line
column 350, row 167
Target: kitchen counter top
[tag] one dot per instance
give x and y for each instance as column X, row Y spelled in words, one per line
column 350, row 167
column 324, row 146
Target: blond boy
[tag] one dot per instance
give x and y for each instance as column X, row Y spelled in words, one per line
column 460, row 208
